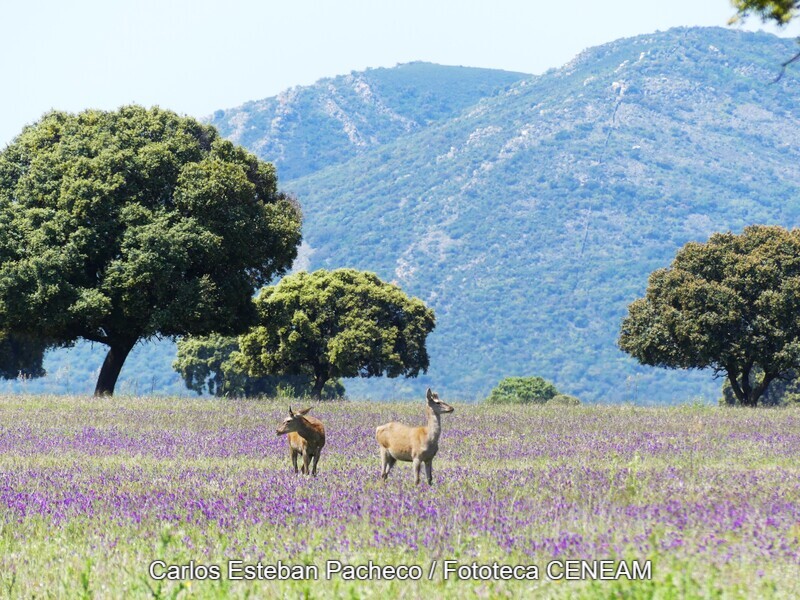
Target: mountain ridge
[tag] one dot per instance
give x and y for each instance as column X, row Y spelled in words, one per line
column 604, row 164
column 336, row 118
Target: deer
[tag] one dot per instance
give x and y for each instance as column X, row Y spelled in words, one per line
column 306, row 438
column 413, row 444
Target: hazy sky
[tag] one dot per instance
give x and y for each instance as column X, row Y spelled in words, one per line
column 198, row 56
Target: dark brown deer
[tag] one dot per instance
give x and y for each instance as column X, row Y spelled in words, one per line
column 306, row 438
column 413, row 444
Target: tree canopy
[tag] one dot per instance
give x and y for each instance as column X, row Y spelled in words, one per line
column 731, row 304
column 332, row 324
column 132, row 224
column 206, row 365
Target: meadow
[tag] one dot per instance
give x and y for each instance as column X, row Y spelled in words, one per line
column 93, row 491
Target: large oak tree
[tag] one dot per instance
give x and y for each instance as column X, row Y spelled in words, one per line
column 731, row 304
column 132, row 224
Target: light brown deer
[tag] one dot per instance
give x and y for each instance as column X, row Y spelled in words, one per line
column 413, row 444
column 306, row 438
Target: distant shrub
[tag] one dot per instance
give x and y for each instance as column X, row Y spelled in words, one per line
column 522, row 390
column 563, row 400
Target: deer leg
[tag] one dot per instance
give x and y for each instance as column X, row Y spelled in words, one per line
column 293, row 452
column 316, row 460
column 387, row 462
column 429, row 471
column 417, row 466
column 390, row 463
column 306, row 460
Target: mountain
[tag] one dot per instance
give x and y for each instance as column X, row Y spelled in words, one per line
column 531, row 220
column 530, row 214
column 308, row 128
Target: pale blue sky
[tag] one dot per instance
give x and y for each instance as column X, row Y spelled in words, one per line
column 198, row 56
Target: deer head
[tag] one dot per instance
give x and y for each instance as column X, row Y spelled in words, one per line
column 293, row 422
column 436, row 405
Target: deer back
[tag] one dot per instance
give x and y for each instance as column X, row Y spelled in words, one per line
column 313, row 432
column 402, row 440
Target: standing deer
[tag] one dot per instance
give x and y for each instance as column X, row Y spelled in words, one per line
column 306, row 437
column 415, row 444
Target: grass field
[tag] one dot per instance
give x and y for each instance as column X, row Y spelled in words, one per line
column 94, row 491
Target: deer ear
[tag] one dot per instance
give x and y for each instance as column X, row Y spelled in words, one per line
column 304, row 411
column 291, row 414
column 429, row 395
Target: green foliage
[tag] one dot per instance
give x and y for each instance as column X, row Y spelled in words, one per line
column 127, row 225
column 205, row 365
column 332, row 324
column 522, row 390
column 779, row 11
column 780, row 392
column 203, row 362
column 21, row 356
column 730, row 304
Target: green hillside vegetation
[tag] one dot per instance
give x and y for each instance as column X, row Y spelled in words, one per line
column 308, row 128
column 530, row 219
column 530, row 222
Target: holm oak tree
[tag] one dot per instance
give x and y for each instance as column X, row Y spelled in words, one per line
column 731, row 304
column 132, row 224
column 332, row 324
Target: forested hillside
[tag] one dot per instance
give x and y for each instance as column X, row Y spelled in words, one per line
column 529, row 214
column 533, row 219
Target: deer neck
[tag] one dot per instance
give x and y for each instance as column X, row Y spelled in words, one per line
column 434, row 427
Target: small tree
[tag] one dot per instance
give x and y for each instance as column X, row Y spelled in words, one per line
column 206, row 365
column 332, row 324
column 731, row 305
column 522, row 390
column 133, row 224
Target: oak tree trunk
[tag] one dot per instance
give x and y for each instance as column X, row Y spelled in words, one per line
column 112, row 365
column 319, row 385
